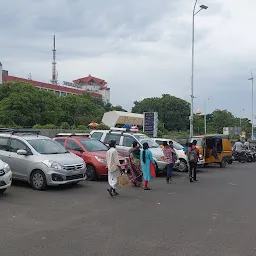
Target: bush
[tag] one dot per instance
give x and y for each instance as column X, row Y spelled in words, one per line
column 37, row 126
column 102, row 127
column 65, row 126
column 49, row 126
column 82, row 127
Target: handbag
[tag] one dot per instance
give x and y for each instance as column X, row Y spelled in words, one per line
column 123, row 180
column 152, row 170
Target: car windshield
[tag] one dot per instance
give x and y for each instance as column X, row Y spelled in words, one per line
column 177, row 145
column 47, row 146
column 93, row 145
column 143, row 138
column 200, row 141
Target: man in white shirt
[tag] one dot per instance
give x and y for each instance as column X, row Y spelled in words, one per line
column 114, row 168
column 247, row 144
column 238, row 147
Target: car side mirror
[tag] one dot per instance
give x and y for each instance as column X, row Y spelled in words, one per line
column 22, row 152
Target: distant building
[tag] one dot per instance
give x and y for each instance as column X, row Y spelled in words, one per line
column 95, row 86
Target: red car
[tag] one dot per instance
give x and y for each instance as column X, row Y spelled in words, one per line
column 92, row 151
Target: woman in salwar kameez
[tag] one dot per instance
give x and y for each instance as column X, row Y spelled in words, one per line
column 135, row 170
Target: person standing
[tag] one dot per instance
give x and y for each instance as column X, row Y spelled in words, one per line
column 114, row 168
column 170, row 160
column 145, row 159
column 193, row 156
column 134, row 157
column 247, row 144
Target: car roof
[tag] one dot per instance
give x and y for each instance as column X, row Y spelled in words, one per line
column 25, row 136
column 74, row 137
column 118, row 132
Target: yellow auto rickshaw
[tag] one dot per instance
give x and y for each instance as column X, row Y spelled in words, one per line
column 214, row 149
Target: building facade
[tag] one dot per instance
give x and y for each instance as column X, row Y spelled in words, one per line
column 95, row 86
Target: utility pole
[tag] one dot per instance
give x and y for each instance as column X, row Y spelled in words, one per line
column 251, row 79
column 54, row 64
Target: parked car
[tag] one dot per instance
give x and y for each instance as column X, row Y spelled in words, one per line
column 92, row 151
column 183, row 166
column 39, row 160
column 5, row 176
column 124, row 139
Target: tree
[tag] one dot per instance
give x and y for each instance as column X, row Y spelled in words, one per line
column 173, row 112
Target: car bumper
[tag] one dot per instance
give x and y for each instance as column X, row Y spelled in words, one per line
column 200, row 162
column 6, row 181
column 55, row 178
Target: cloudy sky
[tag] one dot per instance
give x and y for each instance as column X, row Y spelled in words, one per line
column 141, row 48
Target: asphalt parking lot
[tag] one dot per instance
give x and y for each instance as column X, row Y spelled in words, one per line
column 215, row 216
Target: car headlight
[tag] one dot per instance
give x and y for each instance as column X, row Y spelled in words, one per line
column 52, row 164
column 7, row 168
column 102, row 160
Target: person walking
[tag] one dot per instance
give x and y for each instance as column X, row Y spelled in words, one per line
column 193, row 156
column 169, row 155
column 145, row 159
column 135, row 170
column 114, row 168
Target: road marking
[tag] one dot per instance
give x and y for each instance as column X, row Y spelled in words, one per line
column 172, row 193
column 232, row 184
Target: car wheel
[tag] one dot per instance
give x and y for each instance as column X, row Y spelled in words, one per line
column 223, row 163
column 38, row 180
column 183, row 167
column 91, row 172
column 2, row 191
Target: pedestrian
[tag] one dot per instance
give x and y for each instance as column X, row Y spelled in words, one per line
column 247, row 144
column 185, row 149
column 114, row 168
column 193, row 156
column 135, row 170
column 169, row 156
column 238, row 147
column 145, row 159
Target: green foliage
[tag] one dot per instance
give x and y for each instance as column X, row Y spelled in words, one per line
column 173, row 112
column 82, row 127
column 26, row 106
column 37, row 126
column 65, row 126
column 102, row 127
column 49, row 126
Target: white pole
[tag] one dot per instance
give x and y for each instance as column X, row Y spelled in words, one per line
column 252, row 106
column 205, row 117
column 192, row 74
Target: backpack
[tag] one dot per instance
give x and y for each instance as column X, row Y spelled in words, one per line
column 192, row 155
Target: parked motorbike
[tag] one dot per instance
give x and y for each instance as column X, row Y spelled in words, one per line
column 242, row 157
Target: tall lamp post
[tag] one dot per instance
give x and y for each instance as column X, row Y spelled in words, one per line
column 251, row 79
column 202, row 7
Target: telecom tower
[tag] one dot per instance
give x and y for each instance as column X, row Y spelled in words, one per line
column 54, row 70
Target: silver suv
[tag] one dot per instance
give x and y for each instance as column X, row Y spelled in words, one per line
column 124, row 140
column 39, row 160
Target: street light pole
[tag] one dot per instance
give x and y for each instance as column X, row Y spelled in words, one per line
column 202, row 7
column 251, row 79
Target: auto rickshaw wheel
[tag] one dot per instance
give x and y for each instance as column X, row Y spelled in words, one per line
column 223, row 163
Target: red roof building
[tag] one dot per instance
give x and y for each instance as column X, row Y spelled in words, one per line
column 61, row 90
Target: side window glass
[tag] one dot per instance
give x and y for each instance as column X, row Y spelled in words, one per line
column 159, row 142
column 97, row 135
column 16, row 145
column 113, row 136
column 128, row 140
column 71, row 145
column 4, row 144
column 61, row 141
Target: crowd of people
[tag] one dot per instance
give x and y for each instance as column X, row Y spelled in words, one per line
column 141, row 164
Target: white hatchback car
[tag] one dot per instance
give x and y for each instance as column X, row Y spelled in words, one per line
column 5, row 176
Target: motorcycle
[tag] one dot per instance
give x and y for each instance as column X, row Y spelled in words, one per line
column 242, row 157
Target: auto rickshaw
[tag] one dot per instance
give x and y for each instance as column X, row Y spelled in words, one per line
column 215, row 149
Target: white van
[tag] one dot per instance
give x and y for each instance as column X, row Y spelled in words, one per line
column 5, row 176
column 183, row 166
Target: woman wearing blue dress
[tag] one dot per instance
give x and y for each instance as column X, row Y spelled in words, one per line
column 145, row 159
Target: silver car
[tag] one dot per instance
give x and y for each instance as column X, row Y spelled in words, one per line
column 5, row 176
column 40, row 160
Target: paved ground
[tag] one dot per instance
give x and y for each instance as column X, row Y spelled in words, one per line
column 216, row 216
